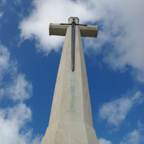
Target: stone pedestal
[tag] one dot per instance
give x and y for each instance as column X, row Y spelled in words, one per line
column 71, row 118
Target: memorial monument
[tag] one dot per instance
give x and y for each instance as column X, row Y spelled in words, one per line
column 71, row 118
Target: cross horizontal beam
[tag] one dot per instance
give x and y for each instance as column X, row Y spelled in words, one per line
column 85, row 30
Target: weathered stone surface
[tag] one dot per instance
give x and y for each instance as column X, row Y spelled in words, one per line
column 71, row 119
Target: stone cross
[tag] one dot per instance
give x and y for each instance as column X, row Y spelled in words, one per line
column 86, row 31
column 71, row 118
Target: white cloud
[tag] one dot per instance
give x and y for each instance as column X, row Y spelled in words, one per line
column 1, row 14
column 4, row 58
column 12, row 125
column 13, row 119
column 17, row 87
column 133, row 138
column 103, row 141
column 121, row 31
column 115, row 111
column 20, row 89
column 46, row 12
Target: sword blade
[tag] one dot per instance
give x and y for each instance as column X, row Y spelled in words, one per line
column 73, row 47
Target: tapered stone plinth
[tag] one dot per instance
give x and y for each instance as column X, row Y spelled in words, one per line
column 71, row 119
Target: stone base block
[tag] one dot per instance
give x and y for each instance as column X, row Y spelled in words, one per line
column 70, row 133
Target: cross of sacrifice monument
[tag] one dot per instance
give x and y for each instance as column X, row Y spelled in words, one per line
column 71, row 118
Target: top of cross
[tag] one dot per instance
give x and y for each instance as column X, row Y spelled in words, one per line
column 73, row 21
column 85, row 30
column 70, row 20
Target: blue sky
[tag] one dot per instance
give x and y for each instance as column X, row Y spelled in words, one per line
column 29, row 60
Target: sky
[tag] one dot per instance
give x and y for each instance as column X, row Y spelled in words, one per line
column 29, row 61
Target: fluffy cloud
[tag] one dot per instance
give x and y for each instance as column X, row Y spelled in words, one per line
column 12, row 125
column 120, row 24
column 46, row 12
column 134, row 137
column 16, row 88
column 103, row 141
column 115, row 111
column 20, row 89
column 1, row 14
column 4, row 59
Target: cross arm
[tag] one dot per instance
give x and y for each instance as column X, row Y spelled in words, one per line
column 85, row 30
column 57, row 29
column 88, row 31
